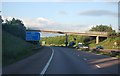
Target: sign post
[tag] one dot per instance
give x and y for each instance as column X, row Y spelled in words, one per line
column 66, row 42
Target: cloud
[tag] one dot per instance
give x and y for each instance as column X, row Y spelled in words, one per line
column 46, row 24
column 63, row 13
column 98, row 13
column 41, row 23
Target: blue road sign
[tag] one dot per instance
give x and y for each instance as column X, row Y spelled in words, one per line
column 32, row 36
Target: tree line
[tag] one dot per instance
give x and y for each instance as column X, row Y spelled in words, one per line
column 105, row 28
column 15, row 27
column 83, row 39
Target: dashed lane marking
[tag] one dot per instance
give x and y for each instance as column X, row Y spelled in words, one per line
column 97, row 66
column 98, row 54
column 114, row 58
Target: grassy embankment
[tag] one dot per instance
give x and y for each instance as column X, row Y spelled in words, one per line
column 14, row 48
column 109, row 46
column 108, row 43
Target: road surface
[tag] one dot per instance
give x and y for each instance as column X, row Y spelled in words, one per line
column 64, row 61
column 70, row 61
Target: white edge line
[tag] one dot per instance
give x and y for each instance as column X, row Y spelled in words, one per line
column 48, row 63
column 98, row 66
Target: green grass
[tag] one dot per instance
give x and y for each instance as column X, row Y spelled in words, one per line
column 14, row 48
column 108, row 43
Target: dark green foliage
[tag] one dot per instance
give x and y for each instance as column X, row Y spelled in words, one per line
column 112, row 34
column 54, row 40
column 15, row 27
column 105, row 28
column 102, row 28
column 59, row 40
column 118, row 34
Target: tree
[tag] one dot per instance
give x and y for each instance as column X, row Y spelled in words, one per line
column 105, row 28
column 15, row 27
column 102, row 28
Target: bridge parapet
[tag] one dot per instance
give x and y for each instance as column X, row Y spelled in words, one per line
column 97, row 33
column 89, row 33
column 94, row 32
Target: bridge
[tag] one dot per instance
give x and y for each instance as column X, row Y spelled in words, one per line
column 95, row 34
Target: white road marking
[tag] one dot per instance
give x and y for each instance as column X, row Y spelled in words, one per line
column 84, row 58
column 114, row 58
column 98, row 54
column 98, row 66
column 48, row 63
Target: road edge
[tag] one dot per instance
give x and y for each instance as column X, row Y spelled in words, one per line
column 48, row 63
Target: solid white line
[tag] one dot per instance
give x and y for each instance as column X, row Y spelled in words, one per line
column 48, row 63
column 98, row 66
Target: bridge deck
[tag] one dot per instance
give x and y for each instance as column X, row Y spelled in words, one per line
column 101, row 34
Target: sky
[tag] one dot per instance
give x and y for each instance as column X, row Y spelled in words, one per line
column 59, row 0
column 63, row 16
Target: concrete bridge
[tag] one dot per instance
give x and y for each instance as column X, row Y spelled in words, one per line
column 95, row 34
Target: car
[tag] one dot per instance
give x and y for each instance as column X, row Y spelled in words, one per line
column 85, row 47
column 80, row 45
column 99, row 47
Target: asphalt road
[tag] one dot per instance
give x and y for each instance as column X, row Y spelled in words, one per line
column 30, row 65
column 64, row 61
column 70, row 61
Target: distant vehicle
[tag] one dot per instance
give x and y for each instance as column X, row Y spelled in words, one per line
column 85, row 47
column 99, row 47
column 71, row 44
column 80, row 45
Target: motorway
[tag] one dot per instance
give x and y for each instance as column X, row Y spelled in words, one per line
column 70, row 61
column 61, row 60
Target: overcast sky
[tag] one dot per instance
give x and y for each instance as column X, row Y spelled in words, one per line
column 63, row 16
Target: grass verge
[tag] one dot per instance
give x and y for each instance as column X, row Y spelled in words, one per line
column 14, row 49
column 103, row 53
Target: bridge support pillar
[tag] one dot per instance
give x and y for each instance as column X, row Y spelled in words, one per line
column 66, row 42
column 97, row 39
